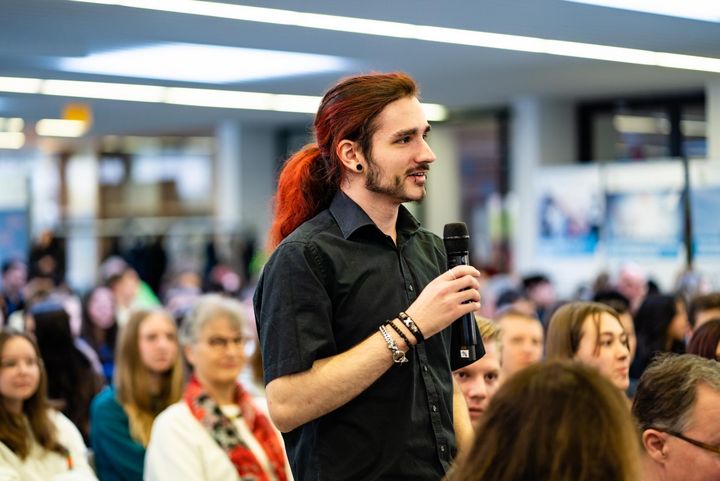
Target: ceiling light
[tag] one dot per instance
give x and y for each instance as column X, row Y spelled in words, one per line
column 11, row 140
column 60, row 128
column 706, row 10
column 422, row 32
column 20, row 85
column 202, row 63
column 12, row 124
column 103, row 90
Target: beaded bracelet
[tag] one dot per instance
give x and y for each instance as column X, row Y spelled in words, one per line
column 400, row 333
column 410, row 324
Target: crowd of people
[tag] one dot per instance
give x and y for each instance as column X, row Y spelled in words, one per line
column 345, row 372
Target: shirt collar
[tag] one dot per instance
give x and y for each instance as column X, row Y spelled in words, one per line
column 350, row 217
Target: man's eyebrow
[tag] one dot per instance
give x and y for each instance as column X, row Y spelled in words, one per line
column 413, row 131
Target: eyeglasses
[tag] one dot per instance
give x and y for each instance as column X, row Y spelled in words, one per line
column 221, row 343
column 694, row 442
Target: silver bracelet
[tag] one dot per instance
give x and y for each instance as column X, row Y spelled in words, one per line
column 397, row 355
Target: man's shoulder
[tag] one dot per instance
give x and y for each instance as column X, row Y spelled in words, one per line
column 311, row 231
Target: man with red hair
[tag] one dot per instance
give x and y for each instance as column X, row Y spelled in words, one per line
column 353, row 305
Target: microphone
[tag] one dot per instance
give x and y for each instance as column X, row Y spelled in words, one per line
column 466, row 346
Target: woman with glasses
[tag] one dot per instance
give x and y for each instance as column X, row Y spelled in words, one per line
column 36, row 443
column 591, row 333
column 148, row 378
column 216, row 432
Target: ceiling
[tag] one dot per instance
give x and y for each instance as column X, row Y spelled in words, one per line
column 34, row 33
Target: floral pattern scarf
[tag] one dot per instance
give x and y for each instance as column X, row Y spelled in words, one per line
column 223, row 431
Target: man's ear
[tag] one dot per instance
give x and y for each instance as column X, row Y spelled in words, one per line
column 654, row 442
column 349, row 154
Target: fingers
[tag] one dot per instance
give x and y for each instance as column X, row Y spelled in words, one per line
column 461, row 271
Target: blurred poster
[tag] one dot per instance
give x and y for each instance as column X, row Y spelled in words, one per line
column 14, row 234
column 644, row 223
column 706, row 229
column 570, row 211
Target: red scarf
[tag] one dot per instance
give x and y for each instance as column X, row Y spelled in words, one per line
column 223, row 431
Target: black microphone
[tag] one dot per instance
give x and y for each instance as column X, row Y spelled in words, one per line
column 466, row 345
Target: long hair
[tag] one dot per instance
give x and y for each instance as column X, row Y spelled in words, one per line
column 14, row 433
column 652, row 321
column 89, row 330
column 705, row 340
column 72, row 380
column 133, row 381
column 312, row 176
column 565, row 327
column 555, row 421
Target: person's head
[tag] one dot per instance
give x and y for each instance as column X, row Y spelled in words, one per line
column 622, row 307
column 148, row 369
column 706, row 340
column 358, row 129
column 632, row 283
column 121, row 279
column 540, row 290
column 677, row 407
column 703, row 308
column 591, row 333
column 14, row 275
column 481, row 379
column 213, row 335
column 661, row 321
column 514, row 300
column 23, row 387
column 521, row 335
column 99, row 308
column 554, row 421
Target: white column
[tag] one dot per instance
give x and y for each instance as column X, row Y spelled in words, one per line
column 81, row 174
column 712, row 112
column 442, row 204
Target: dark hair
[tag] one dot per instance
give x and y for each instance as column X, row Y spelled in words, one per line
column 508, row 297
column 704, row 342
column 312, row 176
column 614, row 299
column 651, row 328
column 71, row 378
column 11, row 264
column 667, row 390
column 531, row 281
column 580, row 429
column 702, row 303
column 14, row 432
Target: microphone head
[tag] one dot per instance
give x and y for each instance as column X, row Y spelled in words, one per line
column 456, row 238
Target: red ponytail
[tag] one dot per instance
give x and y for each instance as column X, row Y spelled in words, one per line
column 312, row 176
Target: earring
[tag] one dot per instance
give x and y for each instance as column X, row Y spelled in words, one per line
column 358, row 167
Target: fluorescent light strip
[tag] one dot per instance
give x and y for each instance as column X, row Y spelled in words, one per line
column 705, row 10
column 60, row 128
column 229, row 99
column 423, row 32
column 11, row 140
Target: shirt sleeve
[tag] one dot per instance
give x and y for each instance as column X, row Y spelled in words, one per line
column 71, row 438
column 293, row 310
column 117, row 454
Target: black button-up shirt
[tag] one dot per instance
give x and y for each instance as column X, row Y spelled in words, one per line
column 326, row 288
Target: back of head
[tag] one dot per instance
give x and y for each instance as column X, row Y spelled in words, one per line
column 565, row 328
column 667, row 390
column 614, row 299
column 704, row 302
column 654, row 316
column 705, row 341
column 558, row 421
column 312, row 176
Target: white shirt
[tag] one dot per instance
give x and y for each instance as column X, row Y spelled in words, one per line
column 43, row 465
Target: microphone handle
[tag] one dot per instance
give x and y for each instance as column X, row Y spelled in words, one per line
column 466, row 347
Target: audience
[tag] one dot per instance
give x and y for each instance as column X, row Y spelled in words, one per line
column 148, row 378
column 72, row 380
column 703, row 308
column 632, row 283
column 522, row 340
column 677, row 407
column 706, row 340
column 216, row 432
column 591, row 333
column 14, row 278
column 36, row 443
column 479, row 381
column 541, row 292
column 661, row 325
column 555, row 421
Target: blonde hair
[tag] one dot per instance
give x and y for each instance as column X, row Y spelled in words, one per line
column 489, row 332
column 133, row 381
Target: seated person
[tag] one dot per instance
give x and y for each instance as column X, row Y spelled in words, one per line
column 216, row 432
column 148, row 378
column 36, row 443
column 479, row 381
column 706, row 340
column 591, row 333
column 677, row 407
column 703, row 308
column 521, row 338
column 555, row 421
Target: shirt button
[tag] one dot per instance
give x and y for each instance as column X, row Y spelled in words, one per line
column 442, row 449
column 410, row 287
column 434, row 408
column 425, row 368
